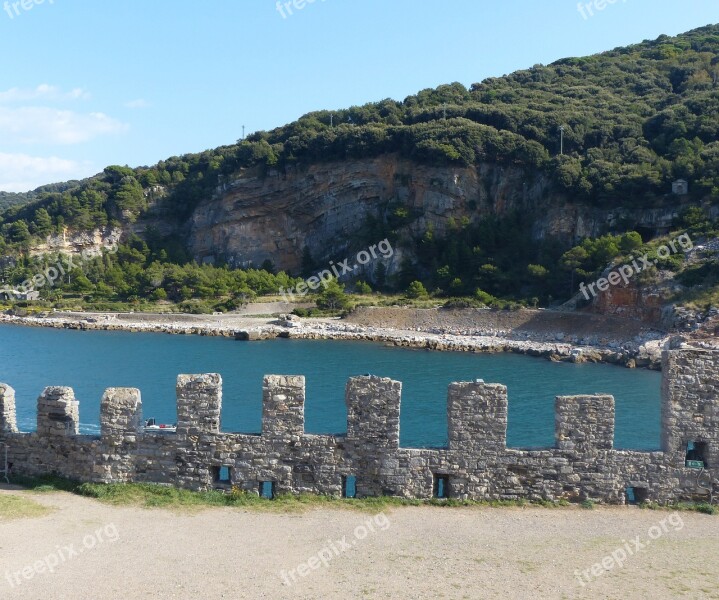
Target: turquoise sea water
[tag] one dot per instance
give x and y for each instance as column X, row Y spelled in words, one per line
column 31, row 359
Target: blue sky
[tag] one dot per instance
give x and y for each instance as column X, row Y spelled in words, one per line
column 84, row 84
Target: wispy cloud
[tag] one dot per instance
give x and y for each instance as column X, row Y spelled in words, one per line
column 46, row 125
column 43, row 92
column 21, row 172
column 139, row 103
column 34, row 122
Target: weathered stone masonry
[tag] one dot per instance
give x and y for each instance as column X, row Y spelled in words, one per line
column 476, row 464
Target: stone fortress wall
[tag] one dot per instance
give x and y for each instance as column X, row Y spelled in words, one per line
column 476, row 464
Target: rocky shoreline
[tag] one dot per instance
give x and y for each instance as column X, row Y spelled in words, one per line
column 644, row 351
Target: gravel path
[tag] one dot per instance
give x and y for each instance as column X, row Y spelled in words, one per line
column 419, row 553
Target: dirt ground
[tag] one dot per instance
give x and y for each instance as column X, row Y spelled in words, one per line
column 127, row 553
column 545, row 322
column 409, row 319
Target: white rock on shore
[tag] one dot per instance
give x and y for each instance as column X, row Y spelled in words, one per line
column 640, row 352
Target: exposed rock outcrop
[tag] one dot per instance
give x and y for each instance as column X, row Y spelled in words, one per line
column 74, row 242
column 323, row 206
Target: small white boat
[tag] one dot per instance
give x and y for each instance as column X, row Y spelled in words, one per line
column 151, row 425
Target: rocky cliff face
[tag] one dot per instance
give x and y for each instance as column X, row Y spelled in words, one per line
column 75, row 242
column 323, row 206
column 634, row 302
column 651, row 302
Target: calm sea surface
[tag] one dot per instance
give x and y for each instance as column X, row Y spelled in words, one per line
column 33, row 358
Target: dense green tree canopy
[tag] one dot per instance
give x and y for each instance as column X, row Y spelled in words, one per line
column 635, row 118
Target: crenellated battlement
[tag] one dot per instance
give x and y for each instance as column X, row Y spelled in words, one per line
column 476, row 463
column 58, row 412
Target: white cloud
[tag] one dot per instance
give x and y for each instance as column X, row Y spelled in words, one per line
column 45, row 125
column 21, row 172
column 43, row 91
column 139, row 103
column 39, row 117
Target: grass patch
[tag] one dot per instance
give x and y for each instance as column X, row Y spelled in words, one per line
column 17, row 507
column 700, row 507
column 700, row 298
column 159, row 496
column 46, row 483
column 151, row 495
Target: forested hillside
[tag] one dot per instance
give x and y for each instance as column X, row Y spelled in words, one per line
column 634, row 119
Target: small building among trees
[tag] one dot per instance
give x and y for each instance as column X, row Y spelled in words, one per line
column 6, row 294
column 680, row 187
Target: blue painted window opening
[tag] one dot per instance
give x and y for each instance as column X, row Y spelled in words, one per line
column 349, row 486
column 441, row 486
column 267, row 489
column 637, row 495
column 696, row 455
